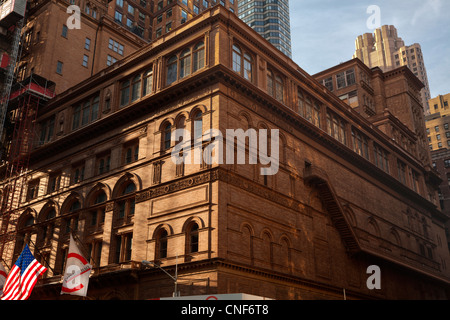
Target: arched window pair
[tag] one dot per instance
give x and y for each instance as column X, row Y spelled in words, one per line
column 242, row 63
column 192, row 241
column 190, row 60
column 196, row 132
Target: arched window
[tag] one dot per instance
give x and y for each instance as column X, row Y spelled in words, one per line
column 248, row 67
column 242, row 63
column 148, row 82
column 270, row 84
column 181, row 124
column 161, row 244
column 124, row 93
column 126, row 206
column 185, row 63
column 72, row 216
column 301, row 103
column 136, row 88
column 47, row 226
column 166, row 137
column 275, row 86
column 192, row 238
column 237, row 60
column 98, row 210
column 199, row 56
column 122, row 235
column 24, row 232
column 279, row 89
column 198, row 125
column 172, row 70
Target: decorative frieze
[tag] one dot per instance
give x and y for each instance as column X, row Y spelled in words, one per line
column 179, row 185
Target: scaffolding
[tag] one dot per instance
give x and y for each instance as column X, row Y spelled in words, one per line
column 24, row 102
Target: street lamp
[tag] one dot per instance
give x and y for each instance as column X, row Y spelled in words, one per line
column 174, row 278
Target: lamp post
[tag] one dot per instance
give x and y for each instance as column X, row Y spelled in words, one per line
column 174, row 278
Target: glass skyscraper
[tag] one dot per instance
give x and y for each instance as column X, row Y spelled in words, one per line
column 270, row 18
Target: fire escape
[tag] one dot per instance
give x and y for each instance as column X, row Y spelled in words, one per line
column 19, row 105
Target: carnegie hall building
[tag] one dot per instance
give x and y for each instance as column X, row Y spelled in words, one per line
column 348, row 194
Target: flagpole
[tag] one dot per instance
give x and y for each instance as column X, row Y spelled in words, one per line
column 5, row 263
column 86, row 251
column 174, row 278
column 41, row 256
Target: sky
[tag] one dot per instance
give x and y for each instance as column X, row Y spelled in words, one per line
column 323, row 32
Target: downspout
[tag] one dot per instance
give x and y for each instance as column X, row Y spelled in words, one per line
column 95, row 45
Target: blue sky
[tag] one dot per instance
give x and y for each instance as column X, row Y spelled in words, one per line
column 323, row 32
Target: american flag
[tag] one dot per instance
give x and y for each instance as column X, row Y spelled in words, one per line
column 22, row 277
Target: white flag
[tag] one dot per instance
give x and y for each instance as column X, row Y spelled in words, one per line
column 2, row 278
column 76, row 277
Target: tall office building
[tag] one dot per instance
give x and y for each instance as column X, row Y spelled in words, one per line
column 385, row 49
column 438, row 122
column 270, row 19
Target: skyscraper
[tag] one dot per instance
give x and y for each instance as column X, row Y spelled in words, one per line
column 385, row 49
column 438, row 122
column 270, row 19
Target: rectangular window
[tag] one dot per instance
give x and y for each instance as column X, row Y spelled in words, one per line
column 103, row 163
column 87, row 44
column 168, row 26
column 401, row 171
column 147, row 82
column 345, row 79
column 64, row 31
column 59, row 66
column 129, row 23
column 123, row 248
column 183, row 16
column 54, row 182
column 85, row 61
column 336, row 127
column 118, row 17
column 415, row 180
column 301, row 103
column 130, row 152
column 110, row 60
column 381, row 158
column 158, row 32
column 124, row 93
column 85, row 112
column 77, row 173
column 33, row 190
column 47, row 127
column 328, row 83
column 360, row 144
column 76, row 117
